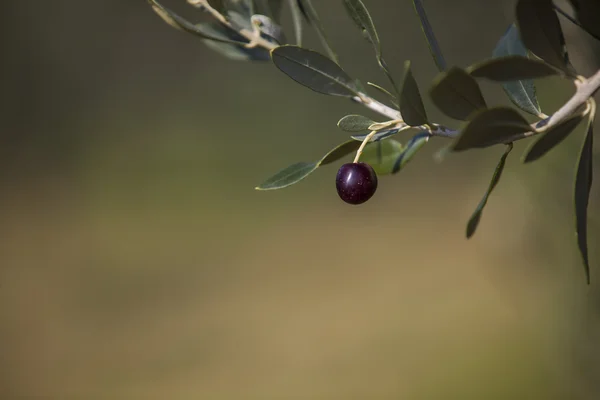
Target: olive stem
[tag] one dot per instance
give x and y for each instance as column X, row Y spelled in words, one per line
column 363, row 144
column 253, row 36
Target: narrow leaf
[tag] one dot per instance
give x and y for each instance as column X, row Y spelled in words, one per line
column 476, row 217
column 382, row 155
column 361, row 17
column 296, row 20
column 432, row 42
column 412, row 147
column 457, row 94
column 411, row 104
column 521, row 92
column 490, row 127
column 552, row 137
column 512, row 68
column 583, row 184
column 311, row 15
column 288, row 176
column 588, row 16
column 314, row 71
column 355, row 123
column 540, row 31
column 298, row 171
column 339, row 152
column 392, row 98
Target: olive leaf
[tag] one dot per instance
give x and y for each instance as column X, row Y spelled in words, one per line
column 296, row 20
column 381, row 156
column 512, row 68
column 392, row 98
column 541, row 32
column 476, row 217
column 355, row 123
column 411, row 104
column 361, row 17
column 587, row 14
column 521, row 92
column 490, row 127
column 552, row 137
column 583, row 184
column 432, row 42
column 412, row 147
column 457, row 94
column 311, row 15
column 298, row 171
column 314, row 71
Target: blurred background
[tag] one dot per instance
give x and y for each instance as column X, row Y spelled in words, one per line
column 137, row 260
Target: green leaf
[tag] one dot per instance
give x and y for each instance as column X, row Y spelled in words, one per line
column 313, row 18
column 489, row 127
column 339, row 152
column 314, row 71
column 512, row 68
column 182, row 24
column 392, row 98
column 355, row 123
column 457, row 94
column 288, row 176
column 361, row 17
column 298, row 171
column 296, row 20
column 541, row 32
column 411, row 104
column 588, row 16
column 382, row 155
column 552, row 137
column 476, row 217
column 583, row 184
column 521, row 92
column 412, row 147
column 432, row 42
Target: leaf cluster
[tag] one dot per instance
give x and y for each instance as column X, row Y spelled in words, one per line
column 531, row 48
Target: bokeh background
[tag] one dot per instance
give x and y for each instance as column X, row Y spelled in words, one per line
column 138, row 262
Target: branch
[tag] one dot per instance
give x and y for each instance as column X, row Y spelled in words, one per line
column 253, row 36
column 585, row 89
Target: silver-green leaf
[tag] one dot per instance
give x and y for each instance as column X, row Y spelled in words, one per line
column 314, row 70
column 476, row 217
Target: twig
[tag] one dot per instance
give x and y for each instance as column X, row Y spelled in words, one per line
column 253, row 36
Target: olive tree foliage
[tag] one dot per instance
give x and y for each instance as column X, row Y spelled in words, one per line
column 532, row 48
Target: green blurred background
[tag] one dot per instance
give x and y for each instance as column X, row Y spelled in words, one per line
column 137, row 261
